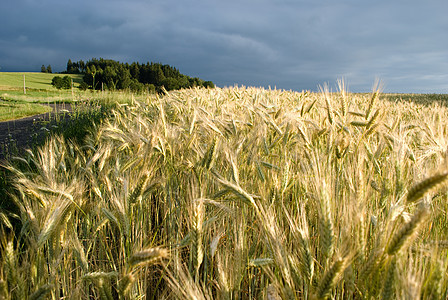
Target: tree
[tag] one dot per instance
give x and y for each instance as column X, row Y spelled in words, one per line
column 82, row 66
column 69, row 66
column 124, row 77
column 93, row 72
column 83, row 86
column 57, row 82
column 62, row 82
column 135, row 70
column 49, row 69
column 110, row 77
column 209, row 84
column 159, row 76
column 107, row 73
column 136, row 86
column 170, row 83
column 43, row 69
column 66, row 82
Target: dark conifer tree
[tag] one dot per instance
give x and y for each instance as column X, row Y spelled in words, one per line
column 69, row 66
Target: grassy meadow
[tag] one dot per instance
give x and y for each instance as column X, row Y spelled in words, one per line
column 33, row 80
column 13, row 110
column 14, row 104
column 235, row 193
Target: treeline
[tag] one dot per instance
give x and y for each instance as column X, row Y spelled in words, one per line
column 110, row 74
column 47, row 69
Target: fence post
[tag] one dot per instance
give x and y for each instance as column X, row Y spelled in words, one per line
column 24, row 86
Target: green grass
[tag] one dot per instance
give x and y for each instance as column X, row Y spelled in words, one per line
column 33, row 80
column 38, row 88
column 14, row 104
column 41, row 96
column 427, row 99
column 13, row 110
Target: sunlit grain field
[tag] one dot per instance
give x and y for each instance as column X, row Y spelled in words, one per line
column 237, row 193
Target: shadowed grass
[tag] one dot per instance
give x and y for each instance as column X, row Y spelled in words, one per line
column 13, row 110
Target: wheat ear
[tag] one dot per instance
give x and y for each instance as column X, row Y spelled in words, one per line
column 3, row 290
column 343, row 91
column 326, row 94
column 371, row 104
column 329, row 279
column 421, row 188
column 373, row 119
column 125, row 284
column 388, row 289
column 407, row 231
column 147, row 256
column 42, row 292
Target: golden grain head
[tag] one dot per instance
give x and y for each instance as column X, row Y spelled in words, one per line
column 425, row 186
column 148, row 256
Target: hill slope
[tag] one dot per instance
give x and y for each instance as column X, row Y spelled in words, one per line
column 33, row 80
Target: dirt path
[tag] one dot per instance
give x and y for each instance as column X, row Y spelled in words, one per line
column 17, row 135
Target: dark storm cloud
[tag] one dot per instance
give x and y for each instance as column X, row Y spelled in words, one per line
column 287, row 44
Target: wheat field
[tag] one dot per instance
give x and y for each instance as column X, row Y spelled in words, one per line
column 236, row 193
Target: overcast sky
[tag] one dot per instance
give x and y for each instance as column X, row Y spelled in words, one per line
column 288, row 44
